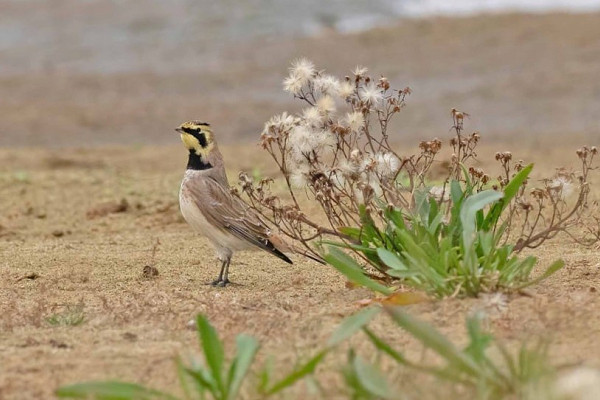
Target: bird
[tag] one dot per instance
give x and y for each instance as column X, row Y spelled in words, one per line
column 209, row 207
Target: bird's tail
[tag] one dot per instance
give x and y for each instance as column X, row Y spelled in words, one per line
column 282, row 245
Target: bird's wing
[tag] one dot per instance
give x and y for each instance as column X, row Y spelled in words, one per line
column 230, row 214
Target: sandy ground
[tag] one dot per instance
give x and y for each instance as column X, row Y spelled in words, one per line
column 56, row 224
column 76, row 144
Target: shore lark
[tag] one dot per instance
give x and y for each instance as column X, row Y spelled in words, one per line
column 209, row 207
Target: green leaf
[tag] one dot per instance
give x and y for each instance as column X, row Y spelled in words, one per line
column 352, row 324
column 479, row 340
column 456, row 192
column 247, row 346
column 183, row 379
column 555, row 266
column 213, row 350
column 264, row 375
column 371, row 379
column 386, row 348
column 352, row 270
column 204, row 381
column 421, row 198
column 433, row 339
column 469, row 209
column 350, row 231
column 111, row 390
column 468, row 182
column 390, row 259
column 297, row 374
column 510, row 191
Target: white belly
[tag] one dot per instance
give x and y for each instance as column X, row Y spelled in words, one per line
column 224, row 242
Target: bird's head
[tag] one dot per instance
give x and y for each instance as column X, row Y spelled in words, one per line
column 197, row 137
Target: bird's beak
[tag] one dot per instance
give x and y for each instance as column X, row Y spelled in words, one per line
column 179, row 130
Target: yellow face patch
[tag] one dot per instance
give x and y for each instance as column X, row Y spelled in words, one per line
column 197, row 136
column 190, row 142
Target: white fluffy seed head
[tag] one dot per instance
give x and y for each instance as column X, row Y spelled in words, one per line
column 326, row 105
column 563, row 185
column 327, row 141
column 312, row 116
column 355, row 121
column 367, row 166
column 281, row 123
column 387, row 164
column 371, row 94
column 339, row 178
column 303, row 69
column 349, row 169
column 374, row 183
column 292, row 84
column 345, row 90
column 299, row 177
column 327, row 84
column 355, row 156
column 302, row 141
column 358, row 195
column 360, row 71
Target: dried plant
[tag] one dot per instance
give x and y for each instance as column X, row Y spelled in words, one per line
column 338, row 153
column 560, row 204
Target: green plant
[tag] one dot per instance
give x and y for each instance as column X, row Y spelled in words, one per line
column 449, row 249
column 485, row 376
column 213, row 378
column 73, row 315
column 525, row 375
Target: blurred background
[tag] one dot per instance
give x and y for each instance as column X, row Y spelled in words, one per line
column 116, row 72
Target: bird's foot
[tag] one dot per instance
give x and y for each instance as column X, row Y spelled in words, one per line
column 220, row 282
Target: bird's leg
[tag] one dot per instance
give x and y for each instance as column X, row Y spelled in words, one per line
column 219, row 280
column 225, row 280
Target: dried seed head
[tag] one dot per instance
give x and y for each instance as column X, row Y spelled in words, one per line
column 359, row 71
column 458, row 115
column 538, row 193
column 526, row 206
column 431, row 146
column 383, row 83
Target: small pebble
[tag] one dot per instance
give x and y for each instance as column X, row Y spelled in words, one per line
column 191, row 324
